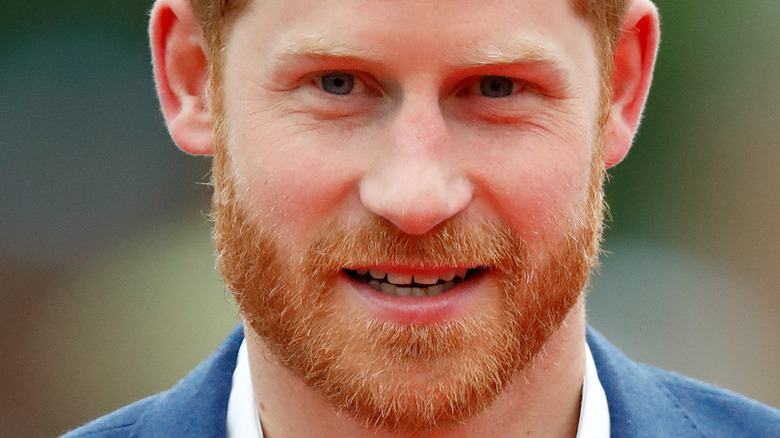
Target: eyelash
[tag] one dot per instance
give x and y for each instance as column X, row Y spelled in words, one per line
column 471, row 86
column 476, row 87
column 360, row 87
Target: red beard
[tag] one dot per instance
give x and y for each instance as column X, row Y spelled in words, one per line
column 392, row 376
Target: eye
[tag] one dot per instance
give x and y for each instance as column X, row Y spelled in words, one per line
column 496, row 86
column 337, row 83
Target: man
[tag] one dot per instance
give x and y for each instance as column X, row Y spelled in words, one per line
column 408, row 203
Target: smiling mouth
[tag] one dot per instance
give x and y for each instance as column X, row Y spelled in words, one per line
column 407, row 285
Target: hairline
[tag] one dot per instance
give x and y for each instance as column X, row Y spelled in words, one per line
column 217, row 16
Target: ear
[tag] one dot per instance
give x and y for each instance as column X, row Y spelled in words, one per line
column 634, row 60
column 181, row 74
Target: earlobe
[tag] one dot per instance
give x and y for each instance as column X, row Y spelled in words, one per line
column 634, row 60
column 181, row 74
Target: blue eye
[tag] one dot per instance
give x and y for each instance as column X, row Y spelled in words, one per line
column 338, row 83
column 496, row 86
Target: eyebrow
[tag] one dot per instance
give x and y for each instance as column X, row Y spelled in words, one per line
column 521, row 50
column 318, row 44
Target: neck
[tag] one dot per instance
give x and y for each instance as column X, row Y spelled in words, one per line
column 543, row 401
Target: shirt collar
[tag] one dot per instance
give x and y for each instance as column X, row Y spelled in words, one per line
column 242, row 418
column 594, row 411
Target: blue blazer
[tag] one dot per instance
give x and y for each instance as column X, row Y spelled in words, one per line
column 643, row 402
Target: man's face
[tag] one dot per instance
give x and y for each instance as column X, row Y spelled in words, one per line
column 409, row 202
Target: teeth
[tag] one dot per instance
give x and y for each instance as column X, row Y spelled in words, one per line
column 418, row 292
column 400, row 285
column 399, row 278
column 402, row 279
column 397, row 291
column 403, row 291
column 427, row 279
column 438, row 289
column 448, row 277
column 389, row 288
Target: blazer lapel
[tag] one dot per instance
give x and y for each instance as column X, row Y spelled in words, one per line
column 197, row 405
column 639, row 404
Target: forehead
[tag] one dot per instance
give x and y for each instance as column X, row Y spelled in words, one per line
column 452, row 31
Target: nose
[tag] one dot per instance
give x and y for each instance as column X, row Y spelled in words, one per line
column 417, row 182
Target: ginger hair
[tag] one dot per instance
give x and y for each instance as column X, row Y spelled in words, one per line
column 605, row 17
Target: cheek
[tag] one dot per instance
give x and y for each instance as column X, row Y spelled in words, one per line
column 539, row 188
column 292, row 178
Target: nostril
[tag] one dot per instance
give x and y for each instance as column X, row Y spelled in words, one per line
column 418, row 203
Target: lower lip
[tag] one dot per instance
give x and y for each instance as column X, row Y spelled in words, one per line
column 448, row 306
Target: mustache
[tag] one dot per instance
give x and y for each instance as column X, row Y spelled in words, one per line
column 452, row 243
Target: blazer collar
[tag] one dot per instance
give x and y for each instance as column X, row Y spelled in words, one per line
column 197, row 405
column 639, row 403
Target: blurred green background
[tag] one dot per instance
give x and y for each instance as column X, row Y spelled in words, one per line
column 108, row 291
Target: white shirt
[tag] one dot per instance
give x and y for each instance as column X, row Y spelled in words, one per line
column 243, row 421
column 242, row 418
column 594, row 411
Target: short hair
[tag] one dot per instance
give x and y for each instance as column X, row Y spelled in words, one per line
column 605, row 16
